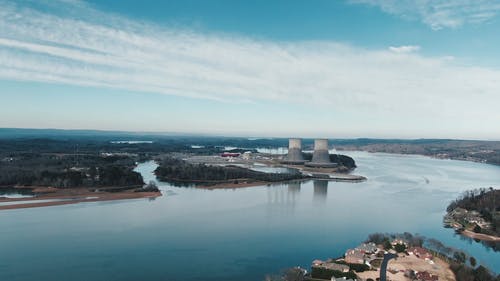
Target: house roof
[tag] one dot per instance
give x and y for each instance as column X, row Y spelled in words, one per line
column 426, row 276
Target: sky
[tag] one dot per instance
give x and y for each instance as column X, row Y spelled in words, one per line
column 319, row 68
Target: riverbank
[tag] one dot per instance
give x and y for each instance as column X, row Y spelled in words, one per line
column 50, row 196
column 462, row 230
column 233, row 185
column 480, row 236
column 471, row 151
column 473, row 214
column 244, row 183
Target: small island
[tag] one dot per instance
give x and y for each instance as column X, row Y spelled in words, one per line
column 232, row 170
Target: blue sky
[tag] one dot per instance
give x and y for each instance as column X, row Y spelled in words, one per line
column 356, row 68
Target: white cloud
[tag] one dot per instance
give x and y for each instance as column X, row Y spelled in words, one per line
column 94, row 49
column 439, row 14
column 404, row 49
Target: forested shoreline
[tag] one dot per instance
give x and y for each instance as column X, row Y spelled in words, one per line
column 68, row 171
column 176, row 170
column 485, row 203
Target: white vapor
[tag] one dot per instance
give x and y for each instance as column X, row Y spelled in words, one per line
column 439, row 14
column 71, row 43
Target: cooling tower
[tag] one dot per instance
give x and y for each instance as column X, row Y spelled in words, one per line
column 321, row 157
column 294, row 155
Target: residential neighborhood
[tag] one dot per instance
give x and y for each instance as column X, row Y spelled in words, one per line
column 363, row 263
column 460, row 218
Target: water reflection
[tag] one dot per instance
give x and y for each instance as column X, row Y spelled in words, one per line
column 320, row 191
column 294, row 187
column 493, row 245
column 282, row 199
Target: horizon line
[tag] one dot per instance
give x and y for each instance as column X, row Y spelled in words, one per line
column 200, row 134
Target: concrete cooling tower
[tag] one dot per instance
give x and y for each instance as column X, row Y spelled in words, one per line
column 321, row 157
column 294, row 155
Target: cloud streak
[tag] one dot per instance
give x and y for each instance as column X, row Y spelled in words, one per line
column 71, row 43
column 404, row 49
column 439, row 14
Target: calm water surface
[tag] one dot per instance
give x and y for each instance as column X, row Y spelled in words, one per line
column 241, row 234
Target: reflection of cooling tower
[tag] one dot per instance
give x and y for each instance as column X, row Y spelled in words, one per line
column 321, row 157
column 294, row 187
column 294, row 155
column 320, row 189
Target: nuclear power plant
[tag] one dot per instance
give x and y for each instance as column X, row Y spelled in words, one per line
column 320, row 157
column 294, row 155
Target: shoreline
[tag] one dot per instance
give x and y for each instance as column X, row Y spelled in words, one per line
column 461, row 230
column 245, row 183
column 50, row 196
column 432, row 156
column 480, row 236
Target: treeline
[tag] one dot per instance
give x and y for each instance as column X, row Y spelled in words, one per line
column 173, row 170
column 463, row 266
column 479, row 151
column 68, row 170
column 327, row 274
column 146, row 150
column 385, row 238
column 485, row 201
column 342, row 160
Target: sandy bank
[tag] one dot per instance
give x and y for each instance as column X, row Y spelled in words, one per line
column 480, row 236
column 48, row 196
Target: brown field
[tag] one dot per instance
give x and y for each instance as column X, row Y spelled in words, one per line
column 403, row 262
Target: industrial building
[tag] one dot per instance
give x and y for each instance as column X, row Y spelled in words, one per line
column 321, row 156
column 294, row 155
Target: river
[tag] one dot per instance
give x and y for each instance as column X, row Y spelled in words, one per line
column 238, row 234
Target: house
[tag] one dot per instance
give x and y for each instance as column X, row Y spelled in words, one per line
column 337, row 267
column 368, row 248
column 398, row 241
column 247, row 155
column 354, row 256
column 229, row 154
column 330, row 265
column 317, row 262
column 341, row 279
column 426, row 276
column 420, row 252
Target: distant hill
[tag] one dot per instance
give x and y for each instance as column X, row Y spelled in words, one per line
column 12, row 133
column 470, row 150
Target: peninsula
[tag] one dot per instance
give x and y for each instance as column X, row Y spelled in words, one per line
column 476, row 214
column 398, row 257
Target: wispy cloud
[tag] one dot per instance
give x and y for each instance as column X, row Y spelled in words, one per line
column 405, row 49
column 439, row 14
column 77, row 45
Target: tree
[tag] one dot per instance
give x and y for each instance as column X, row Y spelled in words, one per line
column 472, row 261
column 483, row 274
column 293, row 274
column 387, row 244
column 151, row 187
column 400, row 248
column 459, row 257
column 477, row 229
